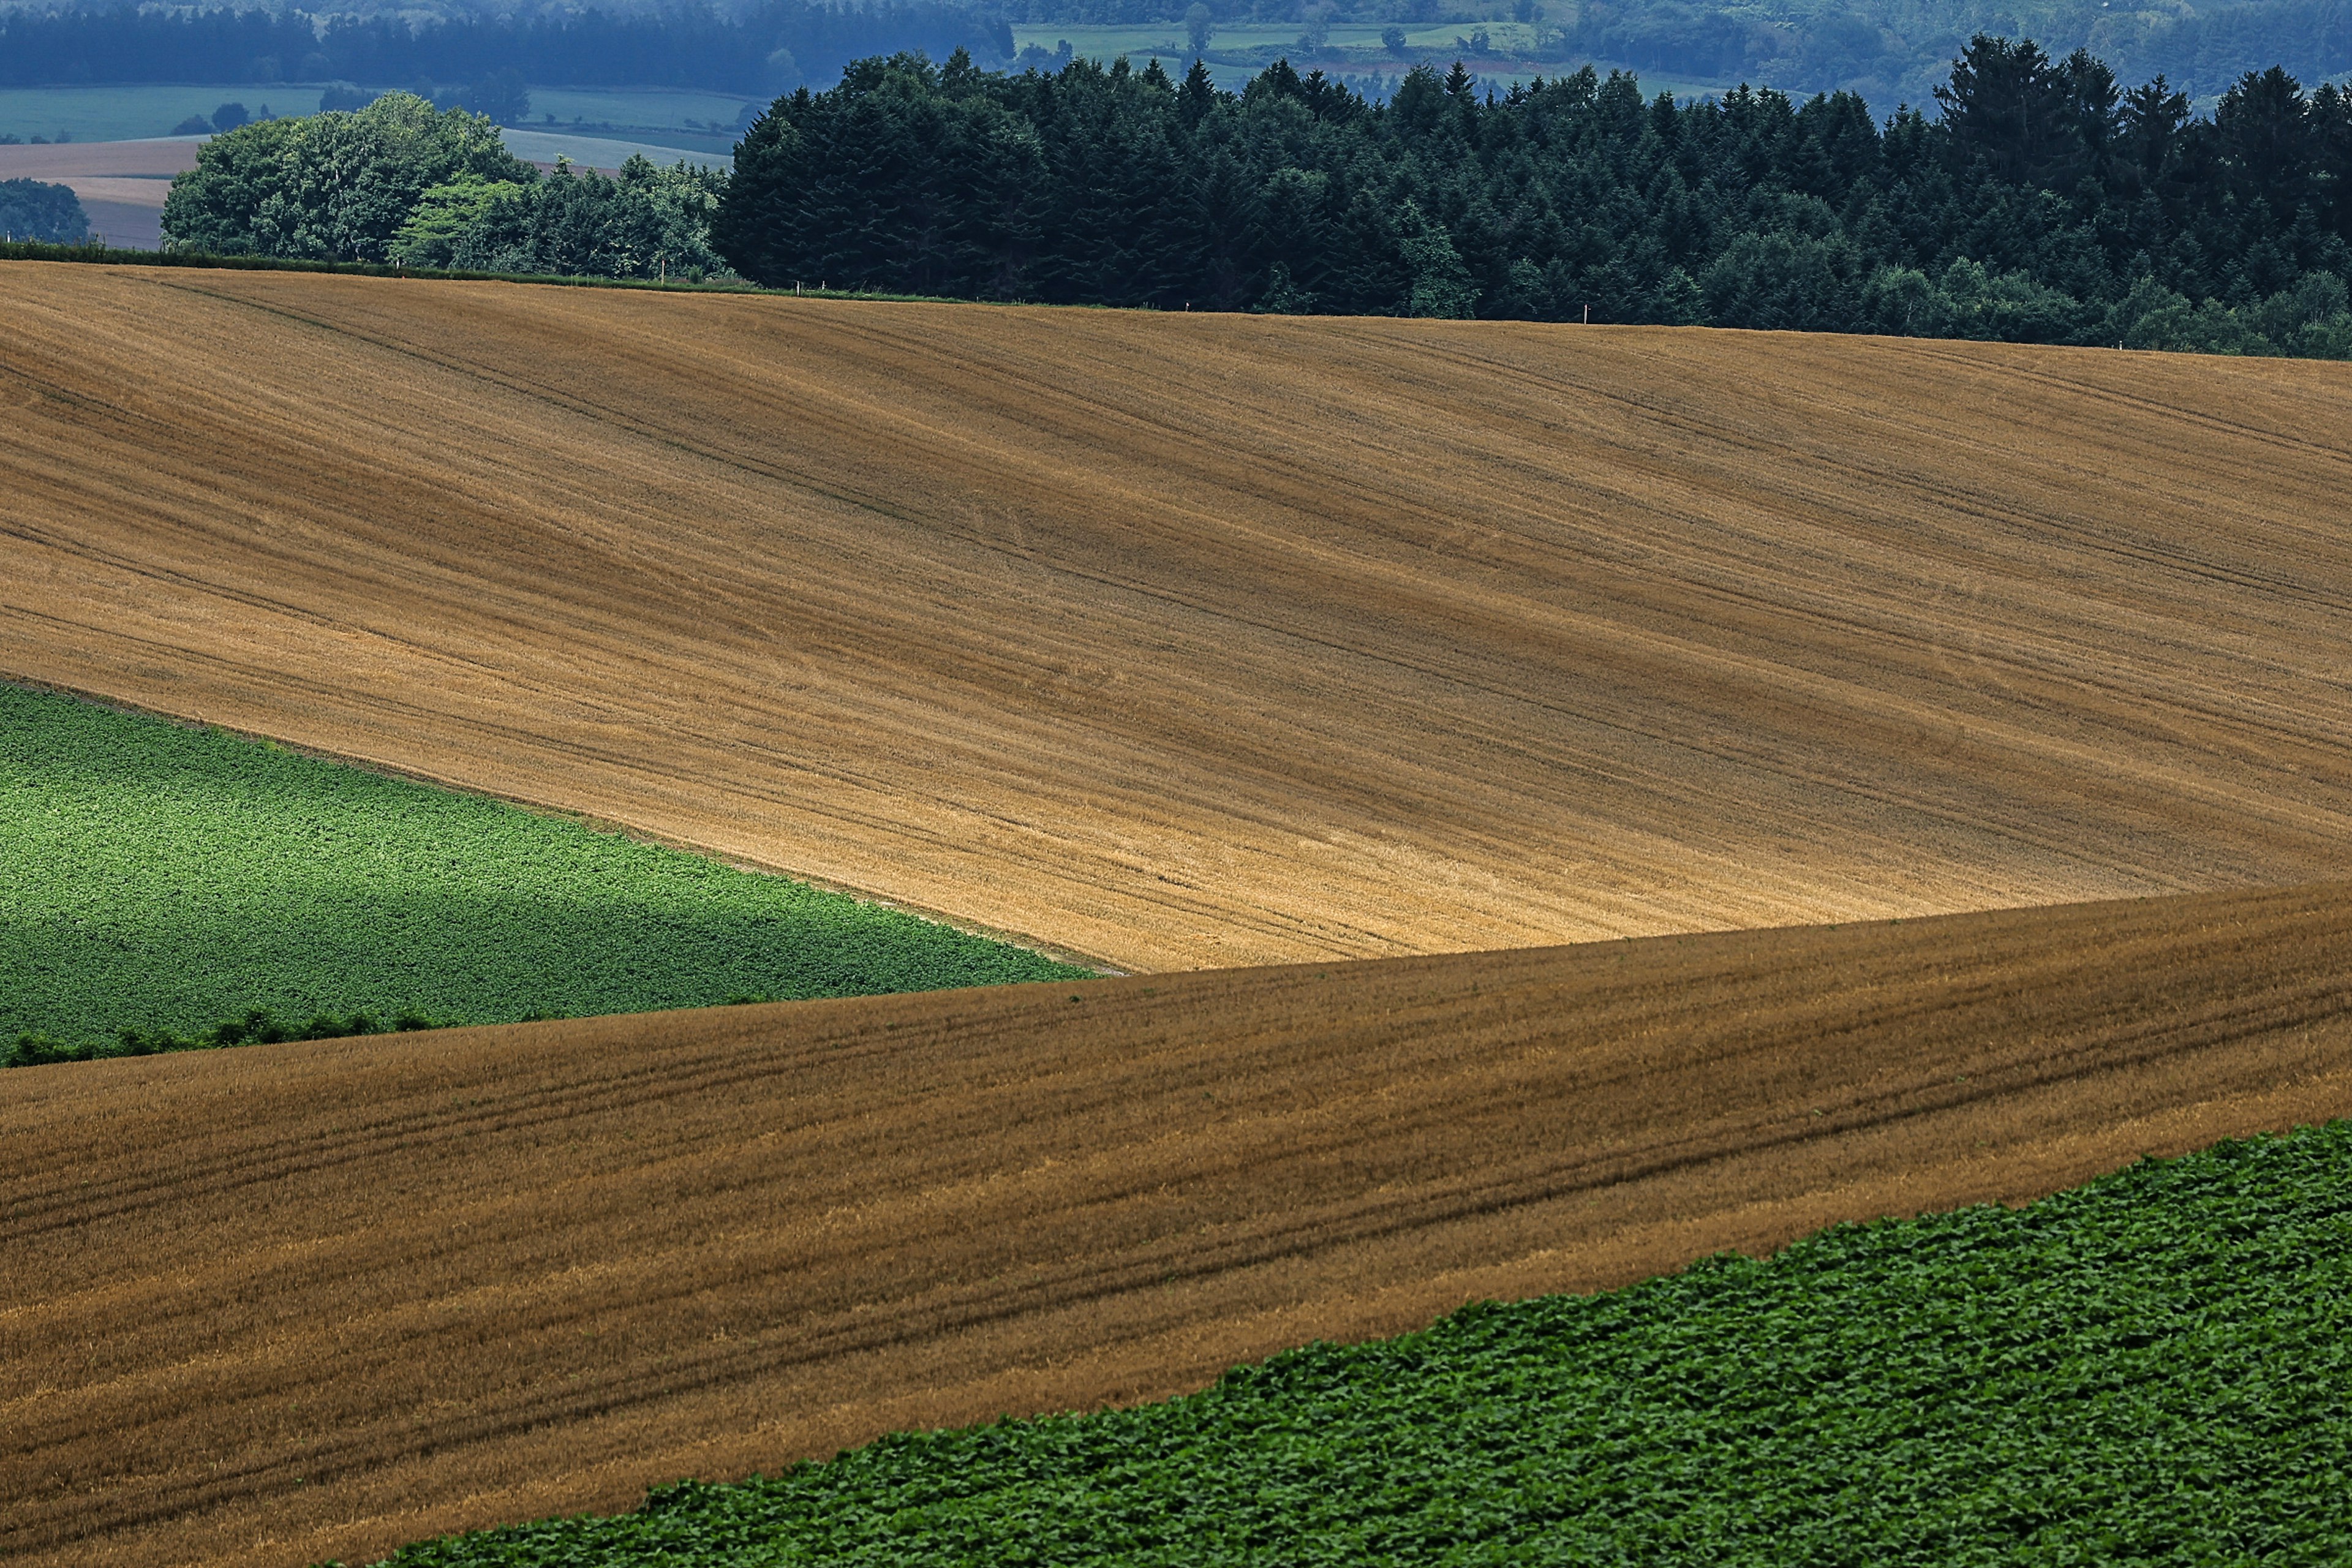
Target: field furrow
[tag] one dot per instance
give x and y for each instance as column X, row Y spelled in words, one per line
column 285, row 1303
column 1182, row 641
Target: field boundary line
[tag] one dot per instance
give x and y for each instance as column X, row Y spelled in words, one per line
column 1058, row 951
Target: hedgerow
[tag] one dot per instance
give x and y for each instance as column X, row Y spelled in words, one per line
column 258, row 1027
column 156, row 878
column 98, row 254
column 2154, row 1368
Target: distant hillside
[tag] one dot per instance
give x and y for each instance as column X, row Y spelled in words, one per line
column 769, row 47
column 1890, row 51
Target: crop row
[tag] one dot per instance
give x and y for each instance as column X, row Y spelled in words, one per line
column 2154, row 1368
column 156, row 878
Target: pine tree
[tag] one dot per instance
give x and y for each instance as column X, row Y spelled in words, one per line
column 1197, row 96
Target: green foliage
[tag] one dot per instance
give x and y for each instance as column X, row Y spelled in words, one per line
column 1969, row 300
column 502, row 97
column 445, row 216
column 258, row 1027
column 398, row 181
column 2032, row 211
column 97, row 252
column 157, row 878
column 2310, row 320
column 1441, row 284
column 46, row 214
column 900, row 159
column 335, row 187
column 648, row 222
column 2155, row 1368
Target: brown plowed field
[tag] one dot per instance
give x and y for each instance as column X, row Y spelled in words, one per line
column 65, row 162
column 273, row 1304
column 1186, row 641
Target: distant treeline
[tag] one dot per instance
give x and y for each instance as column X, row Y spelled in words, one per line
column 1890, row 51
column 764, row 50
column 1889, row 58
column 30, row 209
column 2045, row 204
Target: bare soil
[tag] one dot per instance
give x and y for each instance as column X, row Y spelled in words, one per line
column 70, row 162
column 271, row 1305
column 1190, row 641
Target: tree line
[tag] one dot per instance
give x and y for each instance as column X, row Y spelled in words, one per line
column 399, row 181
column 1887, row 50
column 2045, row 203
column 46, row 214
column 758, row 49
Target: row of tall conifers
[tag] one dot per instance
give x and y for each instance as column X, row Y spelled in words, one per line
column 2045, row 202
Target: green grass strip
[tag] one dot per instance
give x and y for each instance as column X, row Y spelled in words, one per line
column 2156, row 1368
column 160, row 878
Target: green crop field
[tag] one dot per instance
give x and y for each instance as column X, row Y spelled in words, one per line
column 2154, row 1368
column 130, row 113
column 160, row 878
column 703, row 120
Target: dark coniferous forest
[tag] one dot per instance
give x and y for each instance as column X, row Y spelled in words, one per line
column 2046, row 203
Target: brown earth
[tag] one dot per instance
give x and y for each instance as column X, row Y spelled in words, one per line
column 125, row 214
column 270, row 1305
column 68, row 162
column 121, row 184
column 1186, row 641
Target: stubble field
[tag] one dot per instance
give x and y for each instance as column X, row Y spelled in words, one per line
column 1180, row 642
column 287, row 1302
column 1175, row 643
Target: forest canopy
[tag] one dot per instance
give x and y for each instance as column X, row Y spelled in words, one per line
column 34, row 210
column 400, row 181
column 2047, row 202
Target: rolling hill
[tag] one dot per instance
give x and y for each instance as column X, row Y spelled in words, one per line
column 286, row 1302
column 1181, row 641
column 1177, row 643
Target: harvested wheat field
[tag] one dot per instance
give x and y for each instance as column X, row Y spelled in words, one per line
column 1188, row 641
column 285, row 1303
